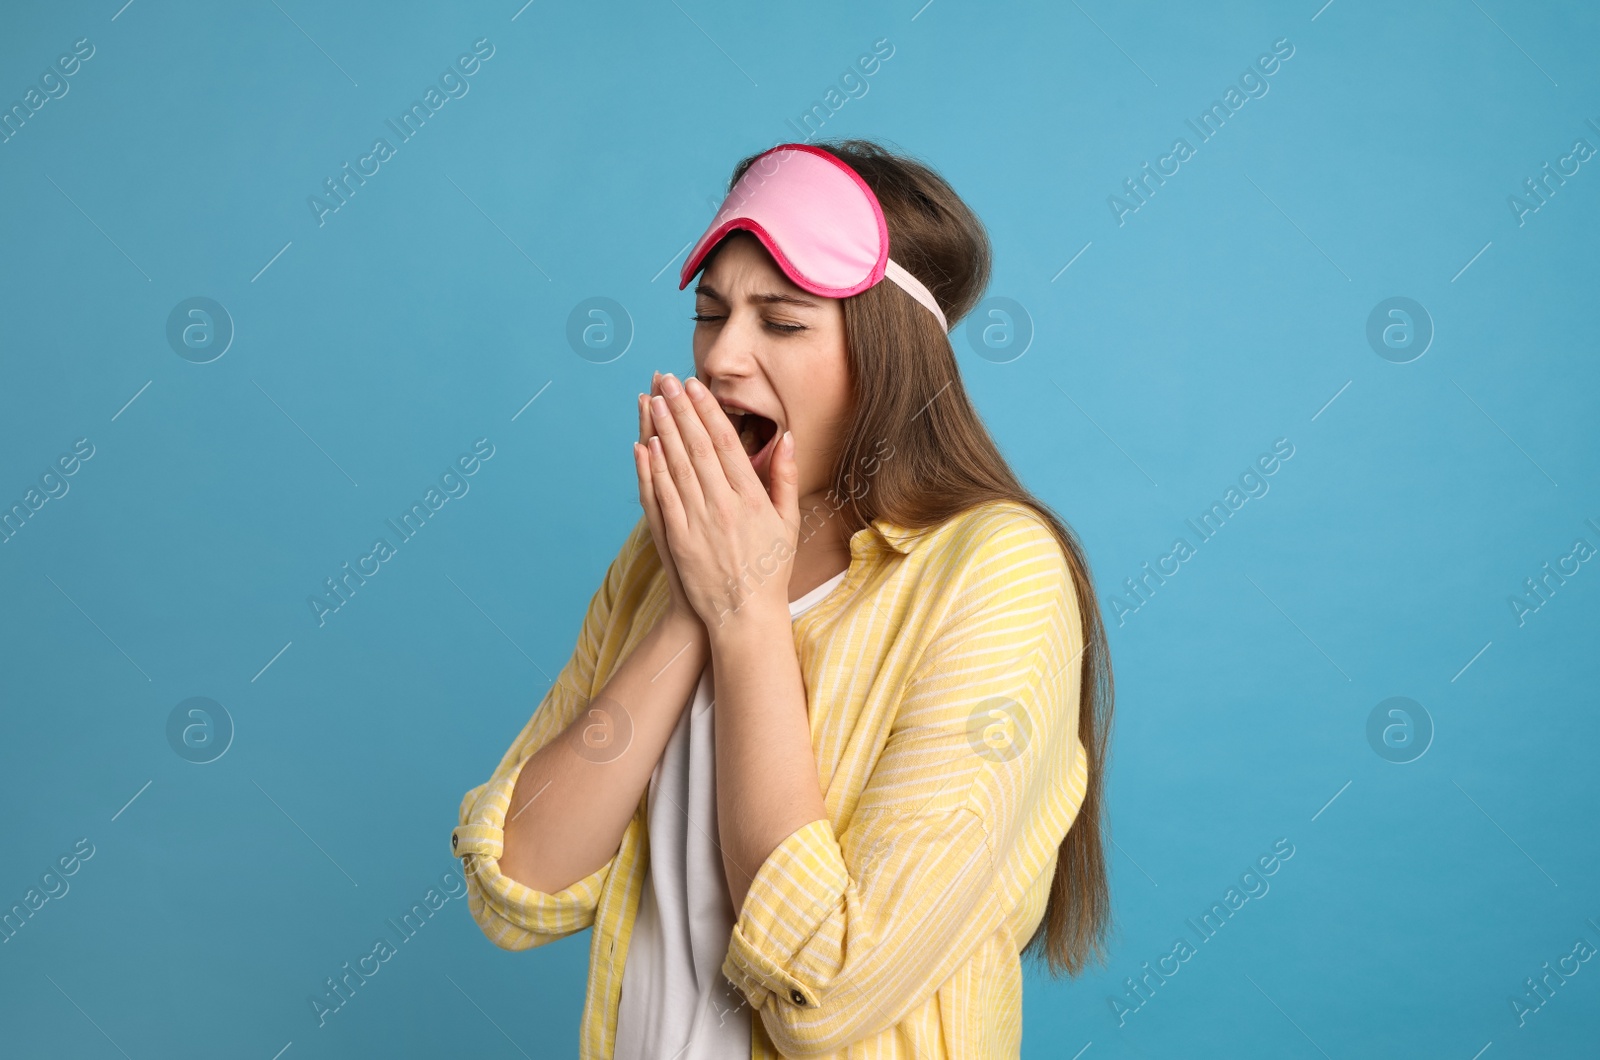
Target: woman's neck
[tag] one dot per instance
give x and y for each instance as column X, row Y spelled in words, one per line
column 823, row 550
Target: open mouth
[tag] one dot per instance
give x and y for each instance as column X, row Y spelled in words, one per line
column 755, row 430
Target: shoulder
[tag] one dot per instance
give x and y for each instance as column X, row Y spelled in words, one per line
column 993, row 533
column 637, row 542
column 630, row 569
column 637, row 563
column 1001, row 558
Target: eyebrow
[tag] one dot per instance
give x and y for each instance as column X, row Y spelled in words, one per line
column 764, row 298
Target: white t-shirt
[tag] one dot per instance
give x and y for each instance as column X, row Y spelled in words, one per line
column 676, row 1004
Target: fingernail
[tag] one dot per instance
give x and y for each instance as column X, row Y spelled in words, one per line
column 694, row 386
column 670, row 386
column 658, row 406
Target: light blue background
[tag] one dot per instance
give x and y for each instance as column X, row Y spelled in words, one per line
column 1228, row 312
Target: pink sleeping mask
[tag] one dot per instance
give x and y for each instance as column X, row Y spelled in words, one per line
column 818, row 220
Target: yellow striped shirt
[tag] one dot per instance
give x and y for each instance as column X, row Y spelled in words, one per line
column 942, row 681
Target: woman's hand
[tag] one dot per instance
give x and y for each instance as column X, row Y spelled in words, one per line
column 733, row 545
column 678, row 606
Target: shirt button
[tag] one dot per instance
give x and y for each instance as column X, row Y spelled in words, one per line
column 797, row 997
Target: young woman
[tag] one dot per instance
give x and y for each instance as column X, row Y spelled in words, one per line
column 828, row 758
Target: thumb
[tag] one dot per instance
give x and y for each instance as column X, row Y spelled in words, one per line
column 786, row 483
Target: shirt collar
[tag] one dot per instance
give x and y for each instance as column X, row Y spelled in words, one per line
column 899, row 538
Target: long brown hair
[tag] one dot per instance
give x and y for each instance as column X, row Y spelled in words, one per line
column 908, row 392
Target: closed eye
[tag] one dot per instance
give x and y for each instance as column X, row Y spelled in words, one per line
column 782, row 329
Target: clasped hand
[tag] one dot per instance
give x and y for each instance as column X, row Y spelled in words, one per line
column 727, row 547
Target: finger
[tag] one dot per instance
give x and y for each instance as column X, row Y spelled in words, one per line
column 647, row 425
column 647, row 489
column 679, row 465
column 732, row 458
column 703, row 455
column 786, row 482
column 668, row 499
column 647, row 500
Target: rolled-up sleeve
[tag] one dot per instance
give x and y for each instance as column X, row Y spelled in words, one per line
column 841, row 936
column 512, row 915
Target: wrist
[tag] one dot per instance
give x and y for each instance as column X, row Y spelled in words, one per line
column 753, row 623
column 682, row 625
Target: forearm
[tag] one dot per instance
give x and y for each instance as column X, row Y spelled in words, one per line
column 767, row 783
column 573, row 799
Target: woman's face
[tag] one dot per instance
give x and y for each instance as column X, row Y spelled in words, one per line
column 765, row 345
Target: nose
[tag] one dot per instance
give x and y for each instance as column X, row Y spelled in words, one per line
column 728, row 350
